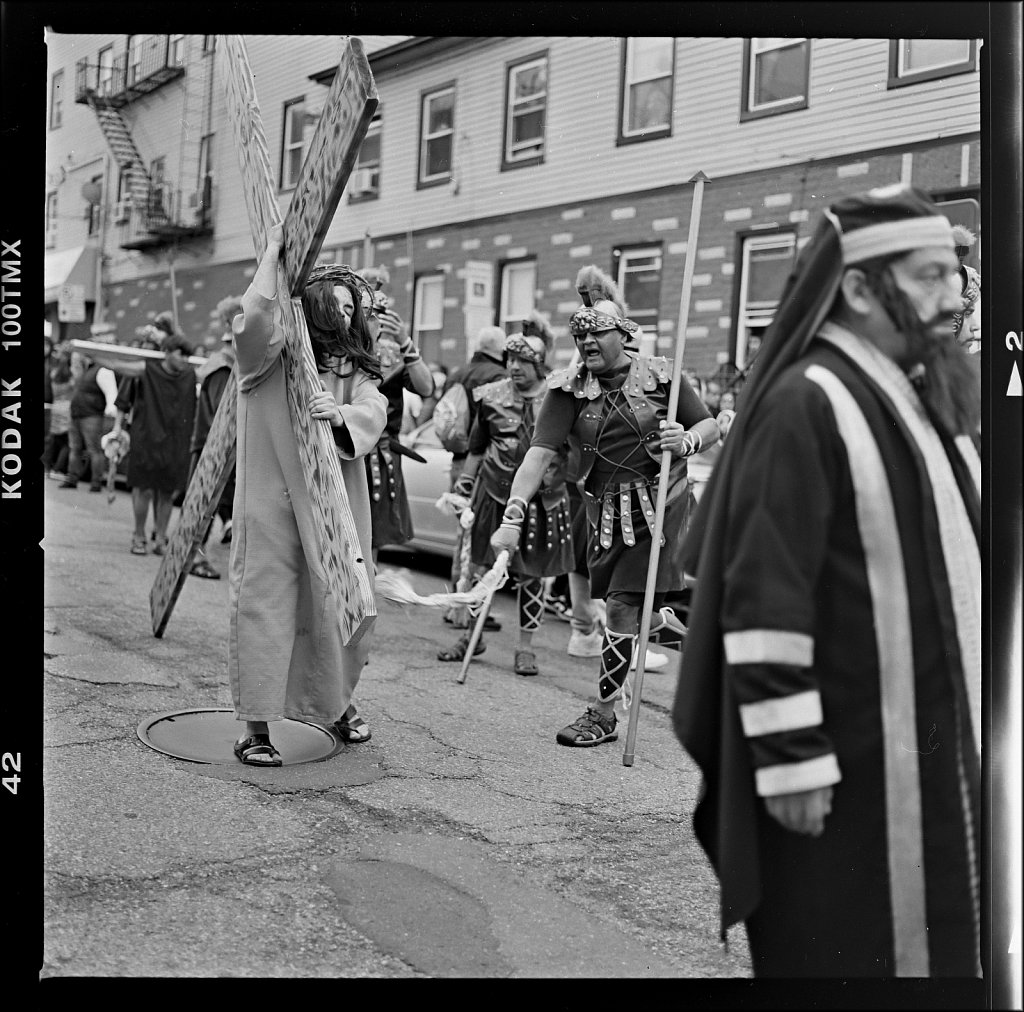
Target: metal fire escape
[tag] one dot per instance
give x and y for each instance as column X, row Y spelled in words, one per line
column 154, row 213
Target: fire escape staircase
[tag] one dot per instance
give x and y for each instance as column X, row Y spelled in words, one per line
column 129, row 161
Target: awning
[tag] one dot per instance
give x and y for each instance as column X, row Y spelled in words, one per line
column 75, row 266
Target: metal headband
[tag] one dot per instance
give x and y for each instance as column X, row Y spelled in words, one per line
column 587, row 321
column 518, row 345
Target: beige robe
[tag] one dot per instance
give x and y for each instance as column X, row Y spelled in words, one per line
column 286, row 656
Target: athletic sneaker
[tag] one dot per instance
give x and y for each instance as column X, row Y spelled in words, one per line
column 585, row 644
column 655, row 662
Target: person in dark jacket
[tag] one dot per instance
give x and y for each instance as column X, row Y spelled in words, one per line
column 161, row 395
column 487, row 365
column 94, row 395
column 214, row 378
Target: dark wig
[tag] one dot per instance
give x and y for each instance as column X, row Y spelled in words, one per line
column 332, row 338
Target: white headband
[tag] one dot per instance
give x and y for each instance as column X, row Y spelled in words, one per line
column 894, row 237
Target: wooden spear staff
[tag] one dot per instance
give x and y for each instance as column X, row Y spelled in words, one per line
column 666, row 458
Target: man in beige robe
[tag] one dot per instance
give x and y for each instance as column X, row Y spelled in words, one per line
column 286, row 654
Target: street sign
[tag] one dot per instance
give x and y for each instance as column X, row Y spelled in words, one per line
column 71, row 304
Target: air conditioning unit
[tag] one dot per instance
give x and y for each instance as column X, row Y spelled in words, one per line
column 362, row 181
column 122, row 212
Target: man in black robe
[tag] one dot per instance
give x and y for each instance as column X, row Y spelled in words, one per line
column 830, row 690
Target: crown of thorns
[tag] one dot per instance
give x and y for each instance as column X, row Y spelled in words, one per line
column 588, row 321
column 342, row 274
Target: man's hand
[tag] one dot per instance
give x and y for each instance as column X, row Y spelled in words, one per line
column 323, row 405
column 391, row 325
column 464, row 484
column 803, row 811
column 677, row 440
column 505, row 539
column 275, row 238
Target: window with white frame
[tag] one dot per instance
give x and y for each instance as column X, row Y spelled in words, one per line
column 51, row 219
column 518, row 291
column 366, row 174
column 765, row 263
column 94, row 211
column 176, row 51
column 299, row 123
column 105, row 77
column 134, row 58
column 776, row 75
column 526, row 90
column 915, row 60
column 57, row 99
column 638, row 273
column 648, row 73
column 428, row 314
column 437, row 131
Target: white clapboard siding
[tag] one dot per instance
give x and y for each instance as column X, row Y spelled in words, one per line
column 851, row 111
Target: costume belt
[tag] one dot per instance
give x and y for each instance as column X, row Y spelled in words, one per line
column 632, row 496
column 382, row 453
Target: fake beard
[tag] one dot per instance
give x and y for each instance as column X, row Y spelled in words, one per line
column 947, row 380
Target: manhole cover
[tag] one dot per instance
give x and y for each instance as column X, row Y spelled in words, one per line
column 206, row 736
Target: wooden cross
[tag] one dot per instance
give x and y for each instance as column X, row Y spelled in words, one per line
column 348, row 109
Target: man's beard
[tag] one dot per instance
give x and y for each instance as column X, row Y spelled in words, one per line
column 950, row 384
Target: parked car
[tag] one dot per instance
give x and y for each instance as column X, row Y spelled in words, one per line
column 433, row 531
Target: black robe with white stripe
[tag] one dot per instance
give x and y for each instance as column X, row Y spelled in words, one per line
column 848, row 648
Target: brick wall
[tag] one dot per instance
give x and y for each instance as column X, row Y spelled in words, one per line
column 564, row 238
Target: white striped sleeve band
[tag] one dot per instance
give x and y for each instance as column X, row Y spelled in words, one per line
column 769, row 646
column 790, row 778
column 788, row 713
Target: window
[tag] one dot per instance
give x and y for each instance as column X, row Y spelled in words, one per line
column 638, row 273
column 51, row 219
column 159, row 192
column 299, row 123
column 365, row 182
column 95, row 211
column 648, row 68
column 518, row 288
column 176, row 51
column 105, row 77
column 437, row 129
column 57, row 100
column 775, row 76
column 209, row 43
column 766, row 261
column 914, row 60
column 428, row 312
column 134, row 58
column 526, row 100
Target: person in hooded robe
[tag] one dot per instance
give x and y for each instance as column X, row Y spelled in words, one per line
column 830, row 690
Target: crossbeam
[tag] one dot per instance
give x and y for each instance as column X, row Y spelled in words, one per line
column 348, row 109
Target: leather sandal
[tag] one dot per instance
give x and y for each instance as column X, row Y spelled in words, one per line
column 256, row 750
column 526, row 663
column 202, row 568
column 351, row 727
column 138, row 546
column 457, row 651
column 592, row 728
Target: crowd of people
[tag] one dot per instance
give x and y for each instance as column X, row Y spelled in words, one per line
column 821, row 566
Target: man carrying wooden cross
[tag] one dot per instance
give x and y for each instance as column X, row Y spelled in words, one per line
column 615, row 402
column 288, row 657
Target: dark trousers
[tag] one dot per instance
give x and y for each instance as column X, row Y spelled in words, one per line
column 84, row 437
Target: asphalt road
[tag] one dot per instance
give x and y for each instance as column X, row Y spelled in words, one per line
column 461, row 842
